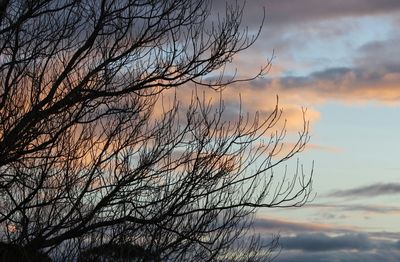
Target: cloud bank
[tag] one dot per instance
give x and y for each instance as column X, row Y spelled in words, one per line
column 329, row 243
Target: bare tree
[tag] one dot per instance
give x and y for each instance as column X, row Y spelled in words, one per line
column 85, row 161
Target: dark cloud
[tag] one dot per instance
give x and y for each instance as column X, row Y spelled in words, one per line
column 330, row 74
column 339, row 74
column 381, row 56
column 379, row 47
column 342, row 83
column 316, row 242
column 351, row 246
column 283, row 12
column 312, row 242
column 387, row 235
column 368, row 191
column 289, row 11
column 335, row 256
column 295, row 81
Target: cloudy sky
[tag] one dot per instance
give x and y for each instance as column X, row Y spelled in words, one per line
column 341, row 60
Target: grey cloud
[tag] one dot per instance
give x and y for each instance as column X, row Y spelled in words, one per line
column 260, row 83
column 309, row 242
column 286, row 12
column 291, row 227
column 295, row 81
column 331, row 74
column 357, row 208
column 372, row 46
column 338, row 256
column 380, row 55
column 289, row 11
column 317, row 242
column 346, row 83
column 378, row 46
column 387, row 235
column 369, row 191
column 370, row 208
column 331, row 215
column 338, row 74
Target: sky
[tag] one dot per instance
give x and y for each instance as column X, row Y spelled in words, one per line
column 340, row 59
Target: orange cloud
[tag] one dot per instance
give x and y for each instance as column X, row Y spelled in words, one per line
column 243, row 99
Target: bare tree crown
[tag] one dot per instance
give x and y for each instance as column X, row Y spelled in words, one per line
column 84, row 161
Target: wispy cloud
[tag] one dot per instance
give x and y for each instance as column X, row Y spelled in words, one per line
column 378, row 209
column 369, row 190
column 262, row 224
column 326, row 148
column 267, row 224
